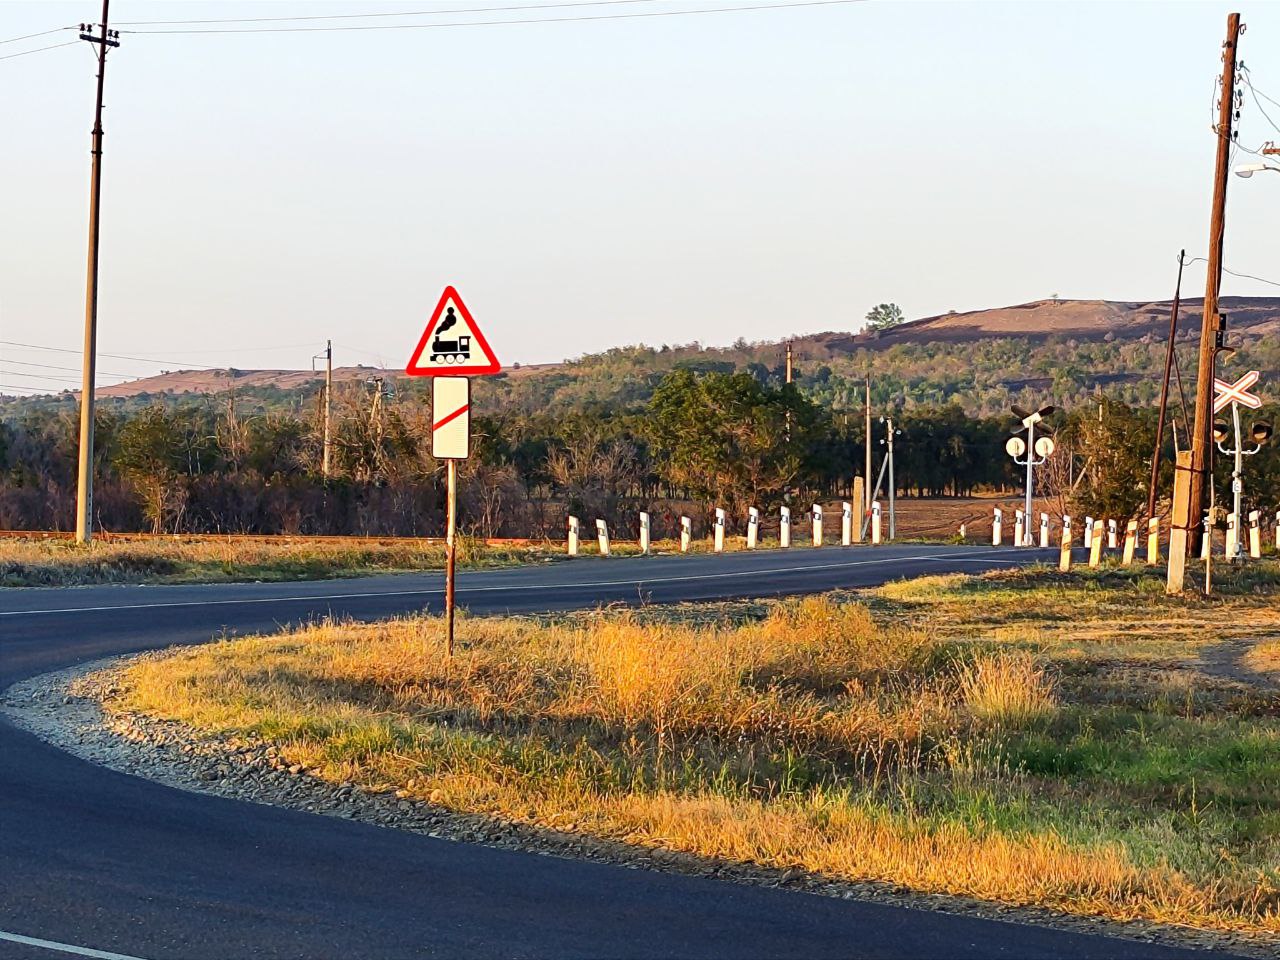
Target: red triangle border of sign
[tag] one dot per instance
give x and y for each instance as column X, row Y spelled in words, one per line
column 493, row 366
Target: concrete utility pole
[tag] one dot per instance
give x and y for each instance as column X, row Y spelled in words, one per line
column 893, row 502
column 789, row 377
column 84, row 480
column 1211, row 327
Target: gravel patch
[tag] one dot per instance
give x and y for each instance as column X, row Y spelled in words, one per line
column 65, row 709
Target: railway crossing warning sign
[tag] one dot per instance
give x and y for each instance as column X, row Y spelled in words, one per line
column 1238, row 392
column 452, row 344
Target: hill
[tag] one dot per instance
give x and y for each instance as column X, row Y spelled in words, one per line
column 1047, row 350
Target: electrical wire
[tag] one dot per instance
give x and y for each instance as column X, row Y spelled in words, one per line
column 496, row 23
column 366, row 16
column 27, row 53
column 114, row 356
column 1261, row 109
column 49, row 376
column 32, row 36
column 51, row 366
column 1242, row 276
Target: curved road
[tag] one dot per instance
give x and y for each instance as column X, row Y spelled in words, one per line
column 95, row 863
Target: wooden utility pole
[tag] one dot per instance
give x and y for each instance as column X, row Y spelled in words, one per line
column 328, row 409
column 84, row 480
column 1211, row 326
column 866, row 506
column 1164, row 390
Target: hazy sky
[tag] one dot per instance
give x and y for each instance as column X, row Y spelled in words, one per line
column 591, row 184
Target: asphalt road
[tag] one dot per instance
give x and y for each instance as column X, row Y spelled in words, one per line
column 96, row 860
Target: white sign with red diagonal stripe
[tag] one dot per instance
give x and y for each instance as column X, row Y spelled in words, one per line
column 451, row 418
column 1238, row 392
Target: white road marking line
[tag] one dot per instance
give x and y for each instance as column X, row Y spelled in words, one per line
column 64, row 947
column 968, row 557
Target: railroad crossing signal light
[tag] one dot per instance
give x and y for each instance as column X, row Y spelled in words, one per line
column 1015, row 446
column 1261, row 432
column 1219, row 431
column 1044, row 446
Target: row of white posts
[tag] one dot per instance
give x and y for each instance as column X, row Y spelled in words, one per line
column 1096, row 530
column 848, row 530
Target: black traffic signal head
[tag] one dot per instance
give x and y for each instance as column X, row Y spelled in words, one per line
column 1261, row 431
column 1219, row 430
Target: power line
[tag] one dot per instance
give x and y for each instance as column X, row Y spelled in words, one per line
column 51, row 366
column 1261, row 109
column 32, row 36
column 496, row 23
column 1242, row 276
column 27, row 53
column 113, row 356
column 48, row 376
column 366, row 16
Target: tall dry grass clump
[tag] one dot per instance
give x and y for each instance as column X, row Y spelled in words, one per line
column 1007, row 688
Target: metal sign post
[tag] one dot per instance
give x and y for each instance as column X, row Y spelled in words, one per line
column 451, row 347
column 1236, row 395
column 1032, row 447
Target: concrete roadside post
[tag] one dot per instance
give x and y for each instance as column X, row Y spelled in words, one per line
column 1095, row 546
column 964, row 531
column 846, row 524
column 686, row 534
column 1019, row 532
column 1255, row 534
column 573, row 536
column 1113, row 535
column 1044, row 531
column 719, row 534
column 602, row 536
column 753, row 528
column 860, row 498
column 817, row 524
column 1153, row 541
column 1064, row 555
column 875, row 522
column 1130, row 541
column 1088, row 533
column 1206, row 541
column 784, row 527
column 1278, row 530
column 997, row 523
column 1233, row 536
column 1179, row 524
column 644, row 533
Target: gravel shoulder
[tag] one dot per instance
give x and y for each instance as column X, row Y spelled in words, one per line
column 65, row 709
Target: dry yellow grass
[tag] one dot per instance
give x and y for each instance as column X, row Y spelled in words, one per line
column 813, row 737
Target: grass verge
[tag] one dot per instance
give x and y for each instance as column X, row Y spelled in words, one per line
column 1033, row 739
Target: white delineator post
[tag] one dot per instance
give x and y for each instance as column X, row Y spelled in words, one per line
column 686, row 534
column 784, row 527
column 1233, row 535
column 1064, row 555
column 573, row 536
column 817, row 524
column 1278, row 530
column 997, row 528
column 644, row 533
column 1113, row 539
column 602, row 536
column 1019, row 529
column 719, row 534
column 1206, row 541
column 1153, row 541
column 875, row 522
column 1130, row 541
column 1088, row 533
column 846, row 524
column 1255, row 534
column 753, row 528
column 1044, row 530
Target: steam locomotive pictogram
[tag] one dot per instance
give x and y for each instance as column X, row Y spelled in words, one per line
column 450, row 351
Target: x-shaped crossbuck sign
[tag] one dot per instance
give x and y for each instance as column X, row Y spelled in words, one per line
column 1238, row 392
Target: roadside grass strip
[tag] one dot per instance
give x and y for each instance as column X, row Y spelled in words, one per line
column 1023, row 737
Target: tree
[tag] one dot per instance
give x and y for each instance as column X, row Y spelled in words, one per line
column 883, row 316
column 151, row 456
column 729, row 440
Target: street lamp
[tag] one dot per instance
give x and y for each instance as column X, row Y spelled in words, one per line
column 1249, row 169
column 1032, row 447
